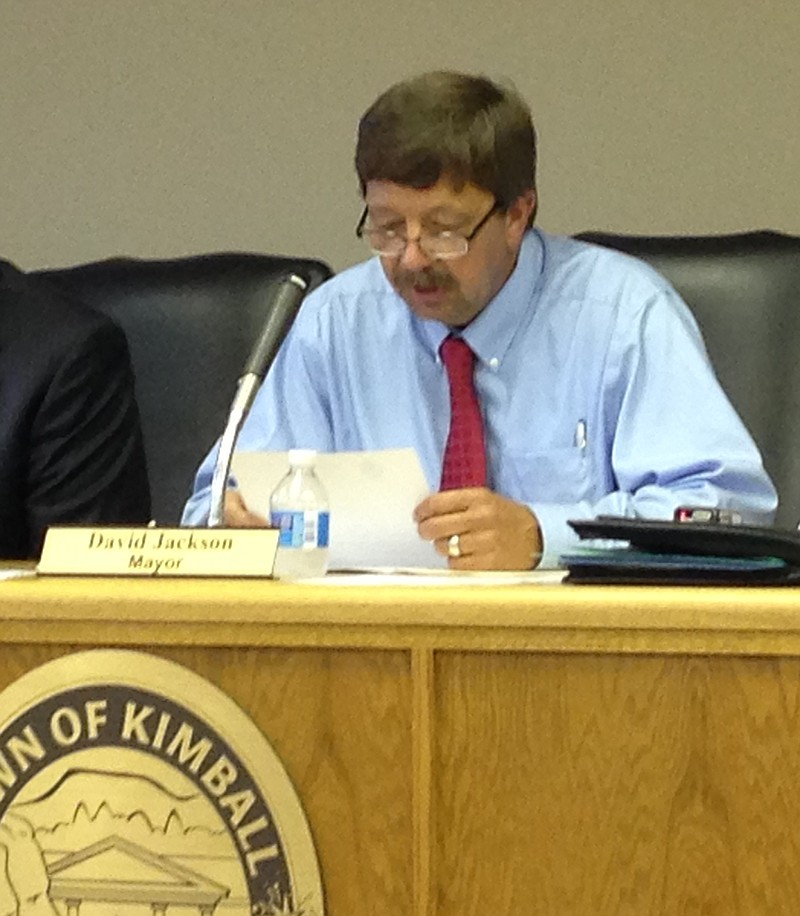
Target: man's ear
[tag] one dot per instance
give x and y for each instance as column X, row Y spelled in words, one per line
column 519, row 215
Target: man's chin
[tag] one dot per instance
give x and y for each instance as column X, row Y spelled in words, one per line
column 430, row 310
column 439, row 308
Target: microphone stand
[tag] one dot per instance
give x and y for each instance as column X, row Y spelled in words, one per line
column 279, row 320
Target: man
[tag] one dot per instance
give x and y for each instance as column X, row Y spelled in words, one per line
column 70, row 443
column 594, row 392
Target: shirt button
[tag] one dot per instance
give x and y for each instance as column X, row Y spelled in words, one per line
column 494, row 362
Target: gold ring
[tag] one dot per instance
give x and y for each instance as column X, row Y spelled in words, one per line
column 454, row 546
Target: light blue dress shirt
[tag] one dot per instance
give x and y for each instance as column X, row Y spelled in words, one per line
column 597, row 393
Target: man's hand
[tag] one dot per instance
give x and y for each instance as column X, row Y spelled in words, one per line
column 237, row 515
column 493, row 532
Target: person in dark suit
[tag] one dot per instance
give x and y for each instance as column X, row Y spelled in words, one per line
column 71, row 446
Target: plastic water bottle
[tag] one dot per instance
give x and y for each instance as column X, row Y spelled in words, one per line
column 298, row 506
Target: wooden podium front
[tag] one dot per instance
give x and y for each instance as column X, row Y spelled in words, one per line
column 465, row 751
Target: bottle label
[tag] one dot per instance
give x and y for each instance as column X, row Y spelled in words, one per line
column 306, row 530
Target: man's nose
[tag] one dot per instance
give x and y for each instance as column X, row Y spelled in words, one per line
column 413, row 256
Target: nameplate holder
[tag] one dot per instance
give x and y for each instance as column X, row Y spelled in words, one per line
column 83, row 550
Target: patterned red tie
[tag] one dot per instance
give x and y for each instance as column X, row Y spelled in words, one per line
column 464, row 462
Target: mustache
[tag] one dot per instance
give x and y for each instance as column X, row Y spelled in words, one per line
column 429, row 278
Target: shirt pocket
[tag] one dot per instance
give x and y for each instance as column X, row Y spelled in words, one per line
column 559, row 475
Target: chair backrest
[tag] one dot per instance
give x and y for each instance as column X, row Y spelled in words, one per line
column 744, row 290
column 191, row 323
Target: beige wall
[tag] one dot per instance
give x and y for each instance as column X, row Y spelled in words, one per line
column 163, row 127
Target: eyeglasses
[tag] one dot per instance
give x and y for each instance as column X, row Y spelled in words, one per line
column 441, row 246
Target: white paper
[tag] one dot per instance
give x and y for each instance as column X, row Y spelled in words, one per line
column 372, row 497
column 437, row 578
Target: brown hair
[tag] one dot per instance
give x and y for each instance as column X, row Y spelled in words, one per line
column 443, row 123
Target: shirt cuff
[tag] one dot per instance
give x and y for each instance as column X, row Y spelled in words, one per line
column 557, row 536
column 195, row 513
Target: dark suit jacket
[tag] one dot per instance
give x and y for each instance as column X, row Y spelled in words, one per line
column 70, row 441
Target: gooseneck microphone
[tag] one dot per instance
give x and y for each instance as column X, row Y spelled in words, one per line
column 282, row 312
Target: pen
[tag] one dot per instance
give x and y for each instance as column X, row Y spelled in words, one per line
column 580, row 434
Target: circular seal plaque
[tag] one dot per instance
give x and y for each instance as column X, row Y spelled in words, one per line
column 131, row 786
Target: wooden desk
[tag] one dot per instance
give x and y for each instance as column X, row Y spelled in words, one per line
column 517, row 750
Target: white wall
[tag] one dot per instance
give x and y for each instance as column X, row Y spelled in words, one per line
column 164, row 127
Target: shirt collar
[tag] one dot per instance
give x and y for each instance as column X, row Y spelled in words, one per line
column 491, row 332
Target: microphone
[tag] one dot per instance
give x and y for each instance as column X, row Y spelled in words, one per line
column 281, row 314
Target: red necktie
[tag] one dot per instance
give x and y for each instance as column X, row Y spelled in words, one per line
column 464, row 462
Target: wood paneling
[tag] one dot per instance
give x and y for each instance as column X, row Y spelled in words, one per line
column 607, row 785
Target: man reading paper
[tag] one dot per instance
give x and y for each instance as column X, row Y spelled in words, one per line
column 539, row 378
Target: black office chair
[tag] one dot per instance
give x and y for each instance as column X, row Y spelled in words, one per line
column 744, row 290
column 191, row 323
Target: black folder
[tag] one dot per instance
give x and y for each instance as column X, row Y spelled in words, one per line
column 683, row 553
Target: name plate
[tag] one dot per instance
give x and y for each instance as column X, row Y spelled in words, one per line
column 111, row 551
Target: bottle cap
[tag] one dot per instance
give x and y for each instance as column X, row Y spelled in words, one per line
column 302, row 457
